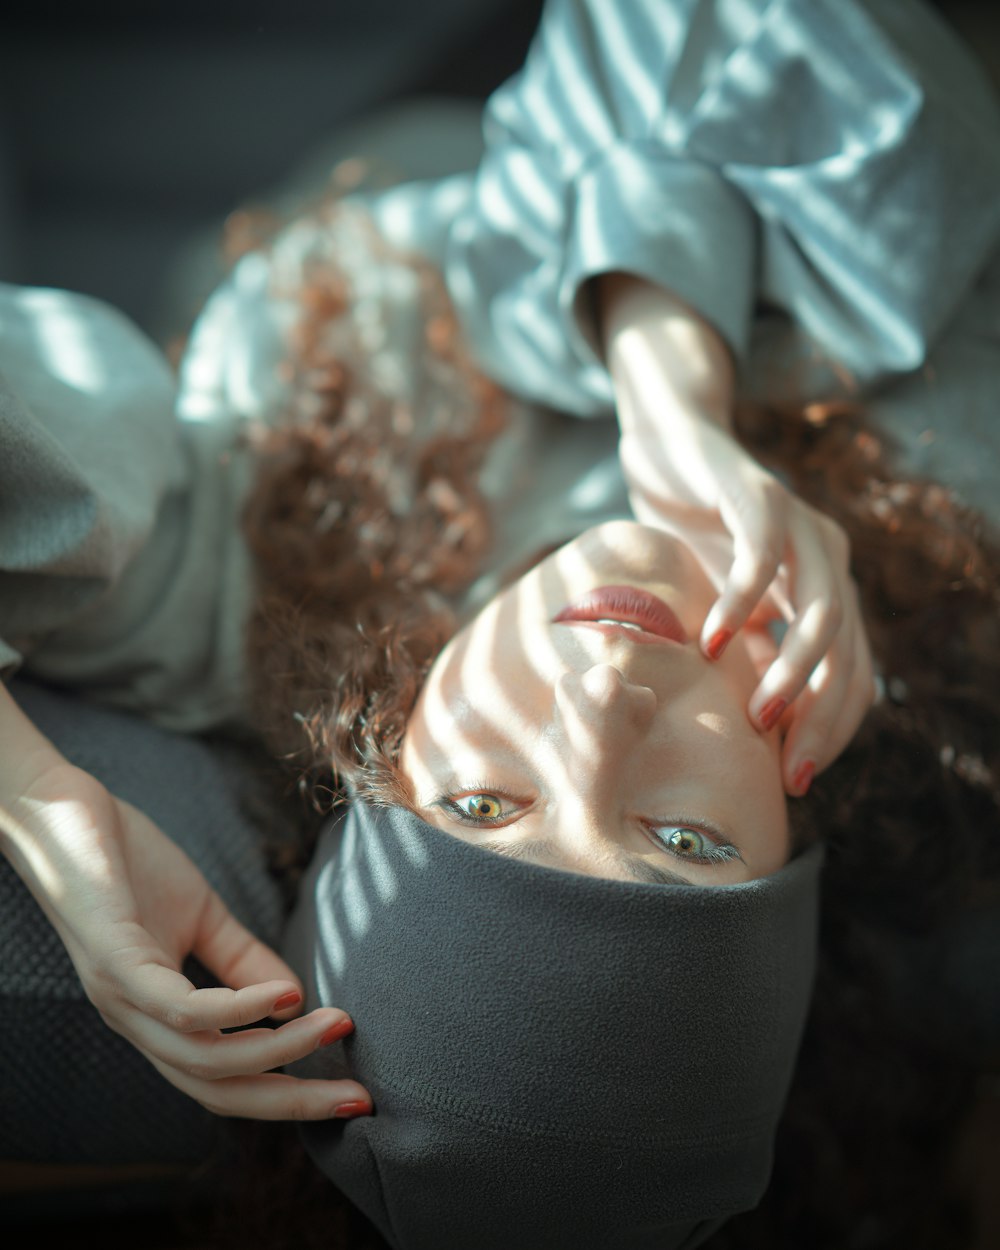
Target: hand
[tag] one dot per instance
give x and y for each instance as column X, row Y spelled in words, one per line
column 129, row 906
column 771, row 555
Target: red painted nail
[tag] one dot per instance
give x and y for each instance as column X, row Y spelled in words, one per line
column 770, row 713
column 718, row 643
column 348, row 1109
column 803, row 778
column 291, row 999
column 335, row 1032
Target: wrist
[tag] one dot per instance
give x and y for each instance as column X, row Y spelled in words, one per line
column 40, row 793
column 665, row 360
column 57, row 836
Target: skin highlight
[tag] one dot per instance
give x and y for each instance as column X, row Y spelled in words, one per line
column 583, row 748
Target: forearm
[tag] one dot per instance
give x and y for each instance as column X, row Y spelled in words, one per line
column 49, row 810
column 26, row 757
column 657, row 347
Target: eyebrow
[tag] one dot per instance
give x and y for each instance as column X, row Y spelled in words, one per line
column 637, row 868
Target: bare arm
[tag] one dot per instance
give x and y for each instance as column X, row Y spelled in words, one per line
column 769, row 553
column 130, row 906
column 649, row 332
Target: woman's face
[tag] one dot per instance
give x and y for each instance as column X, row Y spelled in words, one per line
column 595, row 746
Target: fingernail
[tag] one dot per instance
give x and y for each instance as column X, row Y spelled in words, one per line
column 770, row 713
column 335, row 1032
column 803, row 778
column 718, row 643
column 291, row 999
column 348, row 1109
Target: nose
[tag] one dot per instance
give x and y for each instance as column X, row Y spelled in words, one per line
column 601, row 714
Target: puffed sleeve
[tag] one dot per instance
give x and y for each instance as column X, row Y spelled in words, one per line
column 835, row 159
column 122, row 569
column 88, row 452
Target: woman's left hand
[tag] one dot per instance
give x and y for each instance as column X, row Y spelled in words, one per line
column 130, row 906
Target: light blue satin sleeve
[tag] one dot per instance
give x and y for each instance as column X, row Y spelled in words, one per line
column 121, row 573
column 834, row 160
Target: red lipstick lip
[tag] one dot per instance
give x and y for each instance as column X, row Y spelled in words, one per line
column 629, row 605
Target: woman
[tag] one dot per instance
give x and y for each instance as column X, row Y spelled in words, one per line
column 443, row 1089
column 778, row 913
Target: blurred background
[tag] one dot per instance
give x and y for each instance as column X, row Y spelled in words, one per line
column 128, row 128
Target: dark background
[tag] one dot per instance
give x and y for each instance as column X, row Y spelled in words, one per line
column 127, row 128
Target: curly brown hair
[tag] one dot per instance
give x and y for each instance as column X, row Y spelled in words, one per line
column 895, row 1062
column 364, row 516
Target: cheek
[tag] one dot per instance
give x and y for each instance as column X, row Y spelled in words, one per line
column 738, row 765
column 466, row 713
column 763, row 806
column 418, row 748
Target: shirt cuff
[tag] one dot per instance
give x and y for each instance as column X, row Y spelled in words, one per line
column 676, row 223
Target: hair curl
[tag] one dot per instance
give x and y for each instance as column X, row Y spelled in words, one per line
column 364, row 515
column 870, row 1149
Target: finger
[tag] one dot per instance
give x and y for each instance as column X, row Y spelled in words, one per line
column 167, row 996
column 805, row 748
column 274, row 1096
column 826, row 606
column 214, row 1056
column 822, row 727
column 241, row 960
column 758, row 532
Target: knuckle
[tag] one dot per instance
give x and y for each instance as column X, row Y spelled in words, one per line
column 101, row 972
column 245, row 1012
column 747, row 585
column 300, row 1108
column 113, row 1023
column 103, row 984
column 290, row 1052
column 768, row 559
column 822, row 619
column 201, row 1069
column 831, row 612
column 180, row 1019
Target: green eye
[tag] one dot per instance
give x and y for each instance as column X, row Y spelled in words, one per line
column 480, row 806
column 686, row 842
column 691, row 844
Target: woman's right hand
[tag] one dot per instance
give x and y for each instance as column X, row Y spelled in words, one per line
column 772, row 557
column 129, row 906
column 769, row 554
